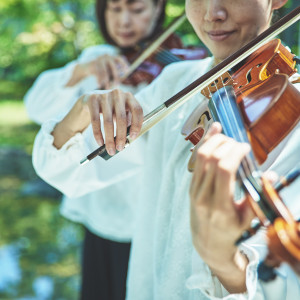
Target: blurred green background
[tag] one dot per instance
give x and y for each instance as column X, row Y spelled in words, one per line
column 39, row 250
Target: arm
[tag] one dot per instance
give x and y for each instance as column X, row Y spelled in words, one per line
column 59, row 146
column 217, row 221
column 55, row 91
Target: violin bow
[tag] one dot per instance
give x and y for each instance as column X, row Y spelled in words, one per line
column 154, row 45
column 195, row 87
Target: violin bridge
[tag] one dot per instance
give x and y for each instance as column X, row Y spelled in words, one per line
column 219, row 83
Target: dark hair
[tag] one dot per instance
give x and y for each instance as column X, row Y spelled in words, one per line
column 100, row 14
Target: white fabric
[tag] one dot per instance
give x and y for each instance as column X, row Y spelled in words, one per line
column 108, row 211
column 163, row 262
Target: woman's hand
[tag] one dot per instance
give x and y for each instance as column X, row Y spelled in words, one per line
column 119, row 109
column 106, row 68
column 216, row 220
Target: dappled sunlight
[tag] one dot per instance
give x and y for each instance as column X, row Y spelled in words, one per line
column 13, row 113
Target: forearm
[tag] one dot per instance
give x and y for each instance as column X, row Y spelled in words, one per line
column 74, row 122
column 78, row 74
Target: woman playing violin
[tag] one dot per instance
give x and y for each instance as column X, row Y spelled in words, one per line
column 169, row 258
column 106, row 212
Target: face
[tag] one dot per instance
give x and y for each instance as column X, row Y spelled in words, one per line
column 129, row 21
column 224, row 26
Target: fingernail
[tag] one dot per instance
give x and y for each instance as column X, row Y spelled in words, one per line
column 120, row 147
column 111, row 151
column 247, row 147
column 133, row 135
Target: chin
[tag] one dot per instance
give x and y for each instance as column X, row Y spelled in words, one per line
column 126, row 44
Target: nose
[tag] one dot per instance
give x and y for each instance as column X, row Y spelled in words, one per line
column 125, row 18
column 215, row 11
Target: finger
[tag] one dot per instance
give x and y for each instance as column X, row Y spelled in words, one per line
column 123, row 65
column 113, row 71
column 103, row 73
column 205, row 188
column 245, row 213
column 271, row 176
column 121, row 121
column 203, row 158
column 129, row 118
column 94, row 109
column 107, row 112
column 137, row 116
column 227, row 169
column 215, row 128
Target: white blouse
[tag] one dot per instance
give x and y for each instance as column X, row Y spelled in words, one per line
column 108, row 209
column 163, row 262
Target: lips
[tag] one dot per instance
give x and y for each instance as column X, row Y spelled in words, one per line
column 219, row 35
column 125, row 34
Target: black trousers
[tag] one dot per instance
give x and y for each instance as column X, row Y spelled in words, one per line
column 104, row 268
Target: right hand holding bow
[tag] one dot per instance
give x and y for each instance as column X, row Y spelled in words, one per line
column 119, row 109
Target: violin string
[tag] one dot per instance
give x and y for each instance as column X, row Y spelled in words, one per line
column 228, row 121
column 246, row 162
column 168, row 56
column 247, row 167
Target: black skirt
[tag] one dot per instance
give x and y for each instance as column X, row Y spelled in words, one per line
column 104, row 268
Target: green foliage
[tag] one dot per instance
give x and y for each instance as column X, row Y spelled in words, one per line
column 47, row 244
column 15, row 128
column 36, row 35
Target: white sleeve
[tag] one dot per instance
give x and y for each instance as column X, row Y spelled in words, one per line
column 285, row 286
column 61, row 168
column 49, row 98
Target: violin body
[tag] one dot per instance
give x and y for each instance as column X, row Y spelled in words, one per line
column 270, row 112
column 272, row 58
column 269, row 103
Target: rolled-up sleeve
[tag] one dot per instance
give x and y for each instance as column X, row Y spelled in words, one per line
column 285, row 286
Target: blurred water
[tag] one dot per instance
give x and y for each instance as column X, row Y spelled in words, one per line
column 10, row 272
column 43, row 287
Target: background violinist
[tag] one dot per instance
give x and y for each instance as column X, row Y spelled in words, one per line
column 107, row 211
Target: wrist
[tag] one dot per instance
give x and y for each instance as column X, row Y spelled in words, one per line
column 232, row 274
column 79, row 73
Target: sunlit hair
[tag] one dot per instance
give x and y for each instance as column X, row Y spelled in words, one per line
column 100, row 14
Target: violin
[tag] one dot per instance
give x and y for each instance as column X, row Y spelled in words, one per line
column 171, row 50
column 259, row 108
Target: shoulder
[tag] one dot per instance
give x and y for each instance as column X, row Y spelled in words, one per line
column 178, row 75
column 187, row 69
